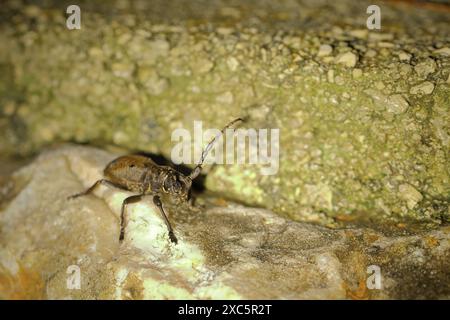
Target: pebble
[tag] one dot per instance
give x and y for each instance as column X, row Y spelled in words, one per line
column 330, row 76
column 410, row 195
column 324, row 50
column 397, row 104
column 375, row 36
column 379, row 99
column 424, row 68
column 403, row 56
column 224, row 31
column 120, row 137
column 405, row 69
column 385, row 44
column 232, row 63
column 424, row 88
column 359, row 33
column 443, row 51
column 347, row 59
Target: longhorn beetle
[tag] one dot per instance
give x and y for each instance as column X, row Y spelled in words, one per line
column 141, row 175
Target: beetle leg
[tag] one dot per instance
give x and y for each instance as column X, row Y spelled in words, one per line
column 123, row 221
column 94, row 186
column 158, row 203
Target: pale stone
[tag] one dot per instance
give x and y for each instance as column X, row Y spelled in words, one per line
column 324, row 50
column 359, row 33
column 378, row 36
column 426, row 67
column 424, row 88
column 410, row 195
column 443, row 51
column 330, row 75
column 403, row 56
column 348, row 59
column 397, row 104
column 232, row 63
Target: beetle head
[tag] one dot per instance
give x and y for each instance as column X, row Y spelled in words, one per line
column 178, row 186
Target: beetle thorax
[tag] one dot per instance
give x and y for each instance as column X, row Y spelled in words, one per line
column 176, row 185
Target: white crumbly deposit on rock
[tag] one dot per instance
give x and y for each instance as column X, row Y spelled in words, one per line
column 347, row 59
column 423, row 88
column 121, row 276
column 397, row 104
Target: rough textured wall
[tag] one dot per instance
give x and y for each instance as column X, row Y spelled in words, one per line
column 364, row 115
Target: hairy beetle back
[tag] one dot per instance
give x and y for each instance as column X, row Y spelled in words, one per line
column 130, row 171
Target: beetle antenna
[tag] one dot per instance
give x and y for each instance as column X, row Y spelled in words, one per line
column 196, row 172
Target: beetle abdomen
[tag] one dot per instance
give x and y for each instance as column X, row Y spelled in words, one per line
column 130, row 172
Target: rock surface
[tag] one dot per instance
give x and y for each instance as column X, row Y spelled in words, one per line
column 225, row 250
column 135, row 72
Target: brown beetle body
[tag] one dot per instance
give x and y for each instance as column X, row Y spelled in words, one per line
column 141, row 175
column 131, row 172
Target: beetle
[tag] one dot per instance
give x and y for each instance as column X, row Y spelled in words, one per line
column 139, row 174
